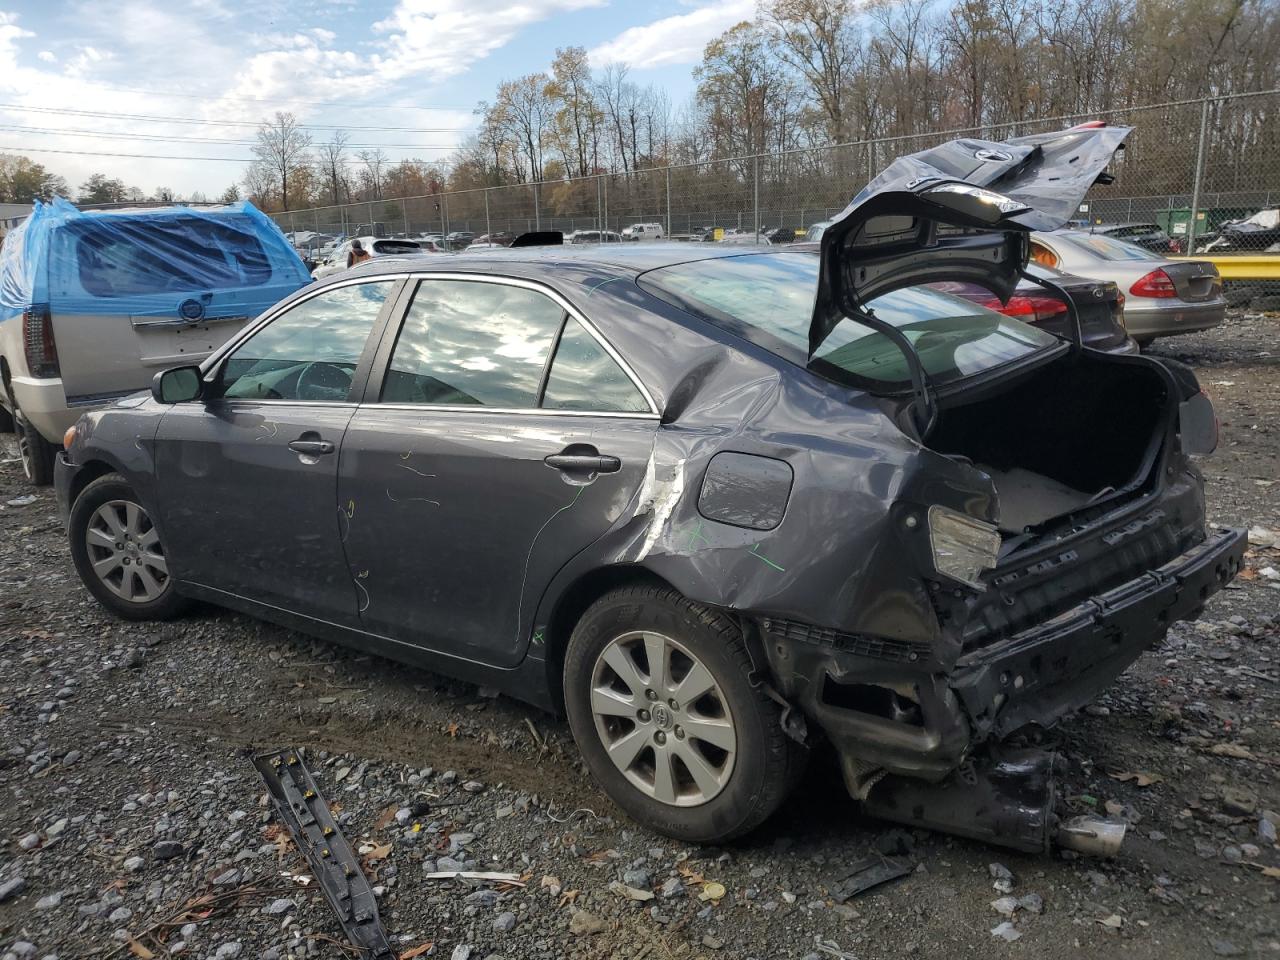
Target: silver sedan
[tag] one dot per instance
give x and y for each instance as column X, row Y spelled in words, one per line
column 1163, row 297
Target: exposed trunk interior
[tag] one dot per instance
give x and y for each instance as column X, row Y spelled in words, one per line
column 1067, row 436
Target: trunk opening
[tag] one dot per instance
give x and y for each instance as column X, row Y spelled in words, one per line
column 1073, row 434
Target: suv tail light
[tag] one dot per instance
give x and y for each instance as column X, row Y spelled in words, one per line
column 38, row 343
column 1031, row 309
column 1157, row 283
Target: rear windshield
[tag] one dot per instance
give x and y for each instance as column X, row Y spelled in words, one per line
column 768, row 299
column 396, row 246
column 127, row 257
column 1108, row 248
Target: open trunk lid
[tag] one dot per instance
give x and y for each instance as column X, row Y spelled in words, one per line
column 957, row 212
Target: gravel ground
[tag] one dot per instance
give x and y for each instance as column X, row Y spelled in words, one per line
column 133, row 823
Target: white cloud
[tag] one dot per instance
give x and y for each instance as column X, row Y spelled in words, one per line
column 444, row 37
column 673, row 40
column 47, row 56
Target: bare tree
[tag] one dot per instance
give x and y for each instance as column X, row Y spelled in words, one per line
column 375, row 161
column 333, row 164
column 282, row 148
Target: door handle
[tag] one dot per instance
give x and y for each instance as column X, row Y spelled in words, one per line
column 312, row 448
column 583, row 462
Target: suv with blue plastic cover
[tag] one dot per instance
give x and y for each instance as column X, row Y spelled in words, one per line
column 94, row 304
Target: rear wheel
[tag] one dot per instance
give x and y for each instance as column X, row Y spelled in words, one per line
column 119, row 554
column 1144, row 342
column 36, row 452
column 659, row 701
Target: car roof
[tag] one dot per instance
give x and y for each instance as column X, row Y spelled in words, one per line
column 622, row 259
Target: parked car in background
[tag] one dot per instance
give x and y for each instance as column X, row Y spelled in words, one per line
column 815, row 231
column 499, row 238
column 1099, row 305
column 704, row 499
column 376, row 247
column 1149, row 236
column 458, row 239
column 1259, row 233
column 592, row 236
column 643, row 231
column 1163, row 297
column 93, row 304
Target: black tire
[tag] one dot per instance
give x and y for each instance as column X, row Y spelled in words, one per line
column 37, row 453
column 1144, row 342
column 6, row 421
column 104, row 490
column 767, row 763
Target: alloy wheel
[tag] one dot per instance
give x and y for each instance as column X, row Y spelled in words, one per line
column 663, row 719
column 25, row 453
column 125, row 552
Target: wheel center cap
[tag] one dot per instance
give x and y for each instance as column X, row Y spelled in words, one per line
column 662, row 717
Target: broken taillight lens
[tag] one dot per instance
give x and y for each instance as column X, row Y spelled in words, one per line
column 963, row 548
column 1157, row 283
column 38, row 343
column 1031, row 309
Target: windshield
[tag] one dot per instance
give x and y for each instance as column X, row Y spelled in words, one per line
column 1108, row 248
column 768, row 299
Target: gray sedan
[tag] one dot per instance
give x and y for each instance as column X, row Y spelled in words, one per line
column 1164, row 297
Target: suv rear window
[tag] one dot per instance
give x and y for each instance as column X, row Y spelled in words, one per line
column 120, row 257
column 768, row 299
column 396, row 246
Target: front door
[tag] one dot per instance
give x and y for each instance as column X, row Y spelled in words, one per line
column 247, row 474
column 501, row 439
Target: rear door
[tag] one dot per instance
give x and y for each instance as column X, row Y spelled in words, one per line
column 247, row 475
column 502, row 437
column 131, row 296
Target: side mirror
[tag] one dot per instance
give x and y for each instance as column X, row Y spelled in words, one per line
column 177, row 385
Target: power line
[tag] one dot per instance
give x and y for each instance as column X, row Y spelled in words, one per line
column 308, row 103
column 152, row 118
column 136, row 156
column 159, row 138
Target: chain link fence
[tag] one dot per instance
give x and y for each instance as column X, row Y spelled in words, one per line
column 1193, row 169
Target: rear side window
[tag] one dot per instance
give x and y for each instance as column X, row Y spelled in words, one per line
column 396, row 246
column 1108, row 248
column 469, row 343
column 584, row 377
column 121, row 257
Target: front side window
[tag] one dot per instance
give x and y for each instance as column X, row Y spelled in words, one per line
column 470, row 343
column 310, row 351
column 769, row 299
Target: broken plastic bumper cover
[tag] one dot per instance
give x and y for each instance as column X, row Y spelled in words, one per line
column 1036, row 676
column 304, row 811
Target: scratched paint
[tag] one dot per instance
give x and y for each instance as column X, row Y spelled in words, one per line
column 351, row 509
column 394, row 499
column 274, row 427
column 418, row 472
column 664, row 502
column 362, row 575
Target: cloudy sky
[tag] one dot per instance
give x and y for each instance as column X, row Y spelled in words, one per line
column 410, row 72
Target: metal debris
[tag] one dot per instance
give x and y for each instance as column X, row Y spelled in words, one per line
column 866, row 874
column 304, row 811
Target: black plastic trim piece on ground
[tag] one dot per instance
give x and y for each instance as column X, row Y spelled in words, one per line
column 306, row 813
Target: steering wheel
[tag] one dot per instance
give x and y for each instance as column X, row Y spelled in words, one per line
column 320, row 380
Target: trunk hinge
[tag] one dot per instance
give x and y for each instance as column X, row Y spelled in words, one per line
column 1077, row 331
column 924, row 407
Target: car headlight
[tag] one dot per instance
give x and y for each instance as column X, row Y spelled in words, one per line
column 962, row 546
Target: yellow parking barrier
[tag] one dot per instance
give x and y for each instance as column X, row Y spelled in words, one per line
column 1260, row 267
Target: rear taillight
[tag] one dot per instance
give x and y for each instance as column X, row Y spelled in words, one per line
column 1157, row 283
column 37, row 342
column 1031, row 309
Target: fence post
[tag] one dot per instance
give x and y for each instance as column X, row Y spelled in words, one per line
column 537, row 214
column 1195, row 185
column 668, row 203
column 487, row 229
column 372, row 229
column 755, row 194
column 605, row 207
column 444, row 212
column 404, row 215
column 599, row 203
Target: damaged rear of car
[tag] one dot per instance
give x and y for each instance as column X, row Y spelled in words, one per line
column 1017, row 545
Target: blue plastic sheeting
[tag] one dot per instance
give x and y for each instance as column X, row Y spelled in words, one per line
column 180, row 262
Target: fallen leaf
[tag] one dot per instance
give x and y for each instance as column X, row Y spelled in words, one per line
column 388, row 815
column 1231, row 750
column 452, row 729
column 1137, row 779
column 376, row 852
column 417, row 951
column 569, row 897
column 139, row 951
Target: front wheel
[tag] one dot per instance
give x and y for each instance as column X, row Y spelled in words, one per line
column 660, row 704
column 117, row 551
